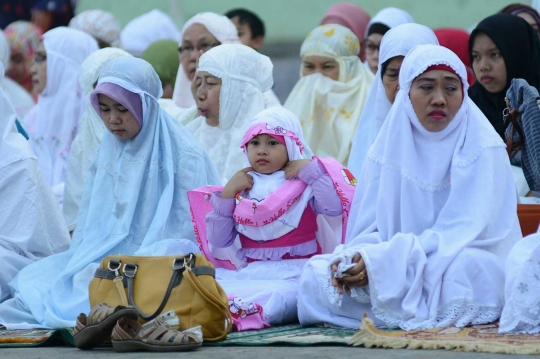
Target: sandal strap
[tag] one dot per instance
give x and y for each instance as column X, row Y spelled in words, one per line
column 80, row 323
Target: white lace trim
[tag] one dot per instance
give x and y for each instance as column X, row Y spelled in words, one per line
column 458, row 312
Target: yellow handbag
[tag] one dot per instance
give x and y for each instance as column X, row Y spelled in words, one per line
column 154, row 285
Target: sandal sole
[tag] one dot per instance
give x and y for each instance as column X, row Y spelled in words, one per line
column 136, row 345
column 93, row 335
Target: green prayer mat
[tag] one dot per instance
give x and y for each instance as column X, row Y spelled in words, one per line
column 293, row 334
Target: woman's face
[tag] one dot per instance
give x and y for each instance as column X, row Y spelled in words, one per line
column 390, row 78
column 118, row 120
column 488, row 64
column 371, row 47
column 196, row 38
column 327, row 66
column 436, row 97
column 207, row 90
column 39, row 70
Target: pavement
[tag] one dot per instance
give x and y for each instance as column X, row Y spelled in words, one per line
column 311, row 352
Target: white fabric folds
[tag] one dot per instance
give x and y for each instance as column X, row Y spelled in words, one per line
column 329, row 110
column 31, row 224
column 396, row 42
column 135, row 202
column 245, row 75
column 434, row 218
column 87, row 142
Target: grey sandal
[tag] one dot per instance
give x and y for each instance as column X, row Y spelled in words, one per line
column 97, row 327
column 156, row 336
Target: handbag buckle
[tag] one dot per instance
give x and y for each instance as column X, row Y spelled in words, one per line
column 188, row 261
column 130, row 269
column 114, row 265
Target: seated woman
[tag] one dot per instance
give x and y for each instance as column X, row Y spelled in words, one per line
column 53, row 123
column 101, row 25
column 525, row 12
column 270, row 218
column 163, row 57
column 229, row 86
column 395, row 44
column 91, row 129
column 31, row 224
column 135, row 200
column 497, row 58
column 331, row 93
column 427, row 238
column 379, row 25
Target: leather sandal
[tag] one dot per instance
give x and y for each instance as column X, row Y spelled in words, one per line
column 97, row 327
column 156, row 336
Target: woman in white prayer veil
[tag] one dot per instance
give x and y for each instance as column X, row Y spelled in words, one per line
column 428, row 245
column 87, row 142
column 53, row 122
column 203, row 32
column 396, row 43
column 135, row 200
column 234, row 95
column 31, row 224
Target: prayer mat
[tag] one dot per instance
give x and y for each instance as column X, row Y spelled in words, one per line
column 476, row 338
column 35, row 337
column 281, row 335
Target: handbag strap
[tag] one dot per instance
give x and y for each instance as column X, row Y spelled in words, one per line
column 130, row 270
column 212, row 300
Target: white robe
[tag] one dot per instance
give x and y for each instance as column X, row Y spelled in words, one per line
column 435, row 218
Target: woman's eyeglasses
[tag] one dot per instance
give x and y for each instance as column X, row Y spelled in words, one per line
column 187, row 50
column 370, row 47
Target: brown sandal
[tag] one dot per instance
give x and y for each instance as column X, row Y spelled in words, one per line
column 97, row 327
column 156, row 336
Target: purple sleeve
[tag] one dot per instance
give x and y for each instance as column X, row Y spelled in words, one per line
column 220, row 230
column 325, row 198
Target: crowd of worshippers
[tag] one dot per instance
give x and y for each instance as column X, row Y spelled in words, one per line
column 382, row 184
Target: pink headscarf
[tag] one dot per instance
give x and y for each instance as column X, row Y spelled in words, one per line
column 350, row 15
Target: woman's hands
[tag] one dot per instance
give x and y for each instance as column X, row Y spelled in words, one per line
column 357, row 275
column 293, row 168
column 241, row 181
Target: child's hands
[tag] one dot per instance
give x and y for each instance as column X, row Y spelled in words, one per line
column 357, row 276
column 241, row 181
column 293, row 168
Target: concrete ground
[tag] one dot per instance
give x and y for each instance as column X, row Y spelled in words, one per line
column 312, row 352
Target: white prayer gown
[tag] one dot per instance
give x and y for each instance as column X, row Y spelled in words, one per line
column 329, row 110
column 435, row 218
column 135, row 203
column 87, row 142
column 53, row 123
column 521, row 313
column 245, row 75
column 31, row 224
column 396, row 42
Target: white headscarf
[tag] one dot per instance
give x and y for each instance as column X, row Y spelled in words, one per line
column 396, row 42
column 245, row 75
column 135, row 203
column 140, row 32
column 21, row 100
column 53, row 122
column 86, row 143
column 425, row 197
column 31, row 225
column 100, row 24
column 329, row 110
column 391, row 17
column 223, row 30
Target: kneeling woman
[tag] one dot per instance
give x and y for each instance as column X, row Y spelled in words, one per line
column 436, row 214
column 135, row 198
